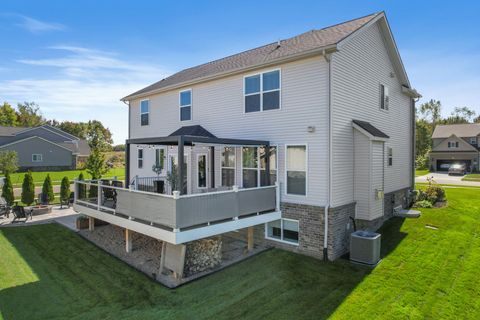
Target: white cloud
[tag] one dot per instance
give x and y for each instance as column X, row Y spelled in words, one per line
column 36, row 26
column 83, row 84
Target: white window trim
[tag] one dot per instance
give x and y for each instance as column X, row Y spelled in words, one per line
column 37, row 154
column 259, row 167
column 142, row 158
column 142, row 113
column 281, row 232
column 207, row 180
column 234, row 166
column 261, row 92
column 382, row 98
column 306, row 170
column 188, row 105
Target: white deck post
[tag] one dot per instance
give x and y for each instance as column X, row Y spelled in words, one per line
column 75, row 190
column 277, row 198
column 128, row 240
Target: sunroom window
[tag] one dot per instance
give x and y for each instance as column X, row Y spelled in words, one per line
column 228, row 166
column 273, row 166
column 250, row 167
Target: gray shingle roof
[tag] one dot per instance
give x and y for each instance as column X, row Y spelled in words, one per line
column 194, row 131
column 460, row 130
column 367, row 126
column 303, row 43
column 10, row 131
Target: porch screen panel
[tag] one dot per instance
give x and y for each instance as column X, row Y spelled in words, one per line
column 273, row 166
column 250, row 167
column 228, row 166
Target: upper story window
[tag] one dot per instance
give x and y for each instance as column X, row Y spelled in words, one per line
column 37, row 157
column 186, row 105
column 384, row 97
column 453, row 144
column 473, row 140
column 140, row 158
column 262, row 91
column 144, row 112
column 297, row 170
column 390, row 157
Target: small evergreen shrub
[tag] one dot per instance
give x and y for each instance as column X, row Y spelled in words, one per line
column 65, row 189
column 28, row 189
column 81, row 188
column 7, row 190
column 47, row 190
column 423, row 204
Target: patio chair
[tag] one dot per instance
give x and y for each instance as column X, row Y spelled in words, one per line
column 4, row 207
column 19, row 212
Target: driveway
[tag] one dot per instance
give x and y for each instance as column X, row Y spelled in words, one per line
column 444, row 178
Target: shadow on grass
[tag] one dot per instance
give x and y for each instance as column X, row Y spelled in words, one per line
column 77, row 279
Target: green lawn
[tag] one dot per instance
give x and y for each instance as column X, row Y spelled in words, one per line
column 57, row 176
column 419, row 173
column 49, row 272
column 471, row 177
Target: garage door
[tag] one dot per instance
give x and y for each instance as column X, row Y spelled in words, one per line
column 443, row 165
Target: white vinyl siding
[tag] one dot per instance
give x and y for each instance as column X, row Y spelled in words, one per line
column 218, row 107
column 358, row 68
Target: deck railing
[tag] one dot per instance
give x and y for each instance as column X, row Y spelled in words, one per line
column 177, row 211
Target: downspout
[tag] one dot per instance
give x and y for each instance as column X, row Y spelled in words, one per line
column 330, row 159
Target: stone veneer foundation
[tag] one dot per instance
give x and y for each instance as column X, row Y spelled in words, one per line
column 340, row 225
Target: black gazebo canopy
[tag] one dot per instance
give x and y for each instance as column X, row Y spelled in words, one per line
column 188, row 136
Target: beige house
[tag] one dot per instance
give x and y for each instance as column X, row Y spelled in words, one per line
column 455, row 143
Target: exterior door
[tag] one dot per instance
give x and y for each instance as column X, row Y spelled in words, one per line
column 377, row 176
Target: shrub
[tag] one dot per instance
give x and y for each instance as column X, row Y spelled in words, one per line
column 433, row 193
column 47, row 190
column 81, row 187
column 8, row 161
column 28, row 189
column 422, row 162
column 65, row 189
column 7, row 190
column 423, row 204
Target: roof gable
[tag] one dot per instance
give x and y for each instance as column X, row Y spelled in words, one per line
column 311, row 42
column 193, row 131
column 34, row 137
column 460, row 130
column 369, row 130
column 462, row 145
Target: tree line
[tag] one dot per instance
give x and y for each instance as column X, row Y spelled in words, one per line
column 428, row 116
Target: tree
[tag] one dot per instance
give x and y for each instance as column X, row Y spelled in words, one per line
column 7, row 190
column 463, row 112
column 29, row 115
column 118, row 147
column 98, row 136
column 96, row 165
column 47, row 190
column 433, row 110
column 65, row 189
column 81, row 187
column 28, row 189
column 78, row 129
column 8, row 116
column 8, row 161
column 423, row 137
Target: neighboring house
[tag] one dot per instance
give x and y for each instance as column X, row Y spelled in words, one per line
column 44, row 148
column 455, row 143
column 328, row 115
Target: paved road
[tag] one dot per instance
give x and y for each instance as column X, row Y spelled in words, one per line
column 18, row 191
column 444, row 178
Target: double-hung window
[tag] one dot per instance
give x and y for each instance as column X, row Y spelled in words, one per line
column 202, row 171
column 453, row 144
column 186, row 105
column 37, row 157
column 285, row 230
column 228, row 166
column 296, row 169
column 262, row 91
column 140, row 158
column 390, row 156
column 144, row 112
column 250, row 167
column 384, row 97
column 473, row 140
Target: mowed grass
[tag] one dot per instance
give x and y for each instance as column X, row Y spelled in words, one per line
column 49, row 272
column 471, row 177
column 419, row 173
column 57, row 176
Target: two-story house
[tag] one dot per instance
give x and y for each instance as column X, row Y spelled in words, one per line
column 291, row 143
column 455, row 143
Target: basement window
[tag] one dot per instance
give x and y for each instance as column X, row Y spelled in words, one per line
column 283, row 230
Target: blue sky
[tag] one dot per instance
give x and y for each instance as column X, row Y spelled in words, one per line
column 78, row 58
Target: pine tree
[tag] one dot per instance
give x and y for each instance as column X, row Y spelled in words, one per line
column 28, row 189
column 47, row 190
column 65, row 189
column 7, row 190
column 81, row 187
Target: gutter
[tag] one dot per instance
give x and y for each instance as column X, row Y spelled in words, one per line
column 302, row 55
column 328, row 59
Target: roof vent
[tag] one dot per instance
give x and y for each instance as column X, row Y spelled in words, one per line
column 278, row 43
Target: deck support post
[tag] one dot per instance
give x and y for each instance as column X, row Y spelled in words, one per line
column 250, row 239
column 128, row 240
column 91, row 223
column 212, row 167
column 162, row 258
